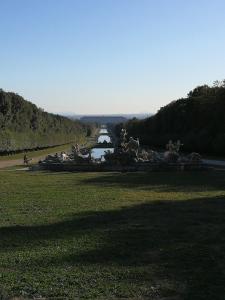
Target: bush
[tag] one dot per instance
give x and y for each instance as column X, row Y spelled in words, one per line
column 198, row 121
column 24, row 126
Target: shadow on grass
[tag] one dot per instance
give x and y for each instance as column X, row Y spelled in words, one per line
column 165, row 181
column 182, row 241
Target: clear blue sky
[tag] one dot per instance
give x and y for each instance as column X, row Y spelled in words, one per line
column 109, row 56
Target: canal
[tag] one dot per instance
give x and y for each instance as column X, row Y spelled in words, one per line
column 104, row 138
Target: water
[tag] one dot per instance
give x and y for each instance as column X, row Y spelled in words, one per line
column 103, row 138
column 99, row 152
column 103, row 131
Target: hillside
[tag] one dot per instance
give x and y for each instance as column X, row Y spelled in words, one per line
column 126, row 116
column 198, row 121
column 24, row 126
column 103, row 119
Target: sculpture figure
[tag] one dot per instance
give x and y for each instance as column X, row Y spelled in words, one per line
column 195, row 157
column 76, row 149
column 173, row 149
column 178, row 145
column 170, row 146
column 133, row 146
column 144, row 155
column 153, row 156
column 123, row 135
column 63, row 156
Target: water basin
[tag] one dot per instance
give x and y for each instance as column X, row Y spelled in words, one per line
column 103, row 138
column 99, row 152
column 103, row 131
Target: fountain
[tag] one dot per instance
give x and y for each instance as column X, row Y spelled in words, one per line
column 127, row 155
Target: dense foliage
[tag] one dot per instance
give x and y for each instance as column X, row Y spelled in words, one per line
column 25, row 126
column 198, row 121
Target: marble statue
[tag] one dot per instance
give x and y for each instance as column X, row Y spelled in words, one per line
column 195, row 157
column 174, row 147
column 133, row 146
column 172, row 153
column 123, row 135
column 76, row 149
column 178, row 145
column 170, row 146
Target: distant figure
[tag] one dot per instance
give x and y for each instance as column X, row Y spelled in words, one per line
column 26, row 160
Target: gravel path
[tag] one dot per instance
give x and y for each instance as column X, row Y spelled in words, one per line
column 18, row 162
column 214, row 162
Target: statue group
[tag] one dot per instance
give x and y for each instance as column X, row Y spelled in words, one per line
column 77, row 155
column 172, row 151
column 127, row 152
column 131, row 146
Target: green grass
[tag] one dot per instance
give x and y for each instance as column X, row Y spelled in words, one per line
column 87, row 141
column 111, row 236
column 36, row 153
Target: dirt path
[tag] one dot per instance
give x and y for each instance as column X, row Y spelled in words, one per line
column 19, row 162
column 215, row 163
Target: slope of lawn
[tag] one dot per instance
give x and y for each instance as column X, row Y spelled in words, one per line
column 36, row 153
column 112, row 235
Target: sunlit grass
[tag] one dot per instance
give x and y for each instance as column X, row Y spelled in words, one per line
column 112, row 235
column 36, row 153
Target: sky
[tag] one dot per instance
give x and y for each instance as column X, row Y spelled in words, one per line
column 109, row 56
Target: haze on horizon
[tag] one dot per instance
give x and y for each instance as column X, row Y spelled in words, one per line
column 109, row 57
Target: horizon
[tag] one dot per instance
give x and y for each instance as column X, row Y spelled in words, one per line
column 107, row 114
column 113, row 57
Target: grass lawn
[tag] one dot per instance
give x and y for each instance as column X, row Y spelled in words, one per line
column 87, row 141
column 37, row 153
column 112, row 235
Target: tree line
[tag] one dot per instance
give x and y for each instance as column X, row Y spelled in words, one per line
column 197, row 120
column 24, row 126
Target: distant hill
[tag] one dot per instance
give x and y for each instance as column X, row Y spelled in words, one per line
column 137, row 116
column 198, row 121
column 114, row 118
column 25, row 126
column 103, row 119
